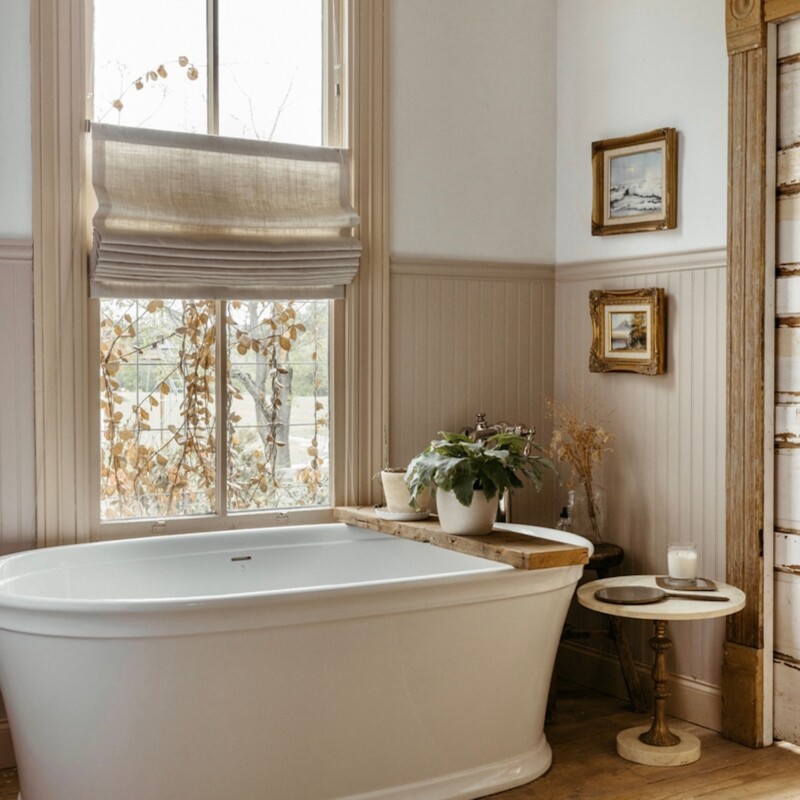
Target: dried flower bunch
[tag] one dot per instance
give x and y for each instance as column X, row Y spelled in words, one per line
column 578, row 443
column 582, row 445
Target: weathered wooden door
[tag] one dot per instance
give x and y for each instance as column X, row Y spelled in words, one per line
column 787, row 392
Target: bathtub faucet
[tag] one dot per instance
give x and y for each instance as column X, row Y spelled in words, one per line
column 483, row 430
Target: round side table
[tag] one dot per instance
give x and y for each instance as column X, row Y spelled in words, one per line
column 657, row 744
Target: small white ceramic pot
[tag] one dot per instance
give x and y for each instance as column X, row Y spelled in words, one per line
column 398, row 498
column 471, row 520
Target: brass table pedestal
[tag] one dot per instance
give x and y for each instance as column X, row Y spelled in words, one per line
column 647, row 745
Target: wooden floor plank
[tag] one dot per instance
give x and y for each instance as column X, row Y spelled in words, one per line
column 586, row 765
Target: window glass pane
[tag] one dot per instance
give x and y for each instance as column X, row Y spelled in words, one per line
column 278, row 404
column 270, row 70
column 150, row 64
column 157, row 368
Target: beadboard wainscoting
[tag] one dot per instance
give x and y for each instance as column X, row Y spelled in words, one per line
column 17, row 444
column 468, row 337
column 665, row 476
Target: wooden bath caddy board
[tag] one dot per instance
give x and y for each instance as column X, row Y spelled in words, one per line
column 517, row 549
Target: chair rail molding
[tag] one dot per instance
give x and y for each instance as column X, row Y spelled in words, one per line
column 432, row 267
column 641, row 265
column 16, row 252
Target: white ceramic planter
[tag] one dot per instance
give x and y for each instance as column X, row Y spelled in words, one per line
column 472, row 520
column 398, row 498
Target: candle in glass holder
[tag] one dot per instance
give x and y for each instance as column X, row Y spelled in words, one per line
column 682, row 561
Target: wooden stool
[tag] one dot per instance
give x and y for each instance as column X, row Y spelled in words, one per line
column 606, row 556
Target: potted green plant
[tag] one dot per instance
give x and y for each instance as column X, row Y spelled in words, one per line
column 468, row 476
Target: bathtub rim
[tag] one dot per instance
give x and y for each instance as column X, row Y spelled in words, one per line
column 186, row 615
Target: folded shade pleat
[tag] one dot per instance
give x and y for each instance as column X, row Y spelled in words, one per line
column 189, row 215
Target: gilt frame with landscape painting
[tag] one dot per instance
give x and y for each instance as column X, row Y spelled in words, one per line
column 628, row 331
column 635, row 183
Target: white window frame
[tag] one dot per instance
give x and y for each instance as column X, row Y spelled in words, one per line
column 222, row 519
column 335, row 99
column 67, row 426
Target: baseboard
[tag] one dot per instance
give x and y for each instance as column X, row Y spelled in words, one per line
column 692, row 701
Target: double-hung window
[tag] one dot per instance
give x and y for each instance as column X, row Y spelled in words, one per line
column 213, row 409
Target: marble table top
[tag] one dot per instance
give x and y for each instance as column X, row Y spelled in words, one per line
column 668, row 609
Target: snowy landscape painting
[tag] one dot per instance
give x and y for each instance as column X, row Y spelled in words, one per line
column 635, row 183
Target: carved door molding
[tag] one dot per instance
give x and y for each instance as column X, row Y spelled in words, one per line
column 747, row 662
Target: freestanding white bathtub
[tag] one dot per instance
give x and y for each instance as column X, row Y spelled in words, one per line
column 313, row 663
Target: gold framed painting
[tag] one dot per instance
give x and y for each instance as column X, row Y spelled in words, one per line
column 635, row 183
column 628, row 331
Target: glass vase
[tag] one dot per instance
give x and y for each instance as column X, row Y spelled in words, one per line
column 588, row 518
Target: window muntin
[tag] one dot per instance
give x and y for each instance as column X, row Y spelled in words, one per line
column 169, row 427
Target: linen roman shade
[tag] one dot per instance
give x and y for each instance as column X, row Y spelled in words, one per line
column 184, row 215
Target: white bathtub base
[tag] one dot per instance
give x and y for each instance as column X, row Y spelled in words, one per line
column 470, row 784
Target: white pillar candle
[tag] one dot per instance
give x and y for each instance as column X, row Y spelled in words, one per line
column 682, row 562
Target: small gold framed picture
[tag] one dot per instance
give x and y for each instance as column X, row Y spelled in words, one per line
column 635, row 183
column 628, row 331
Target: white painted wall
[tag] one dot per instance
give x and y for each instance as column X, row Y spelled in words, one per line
column 626, row 67
column 473, row 129
column 15, row 116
